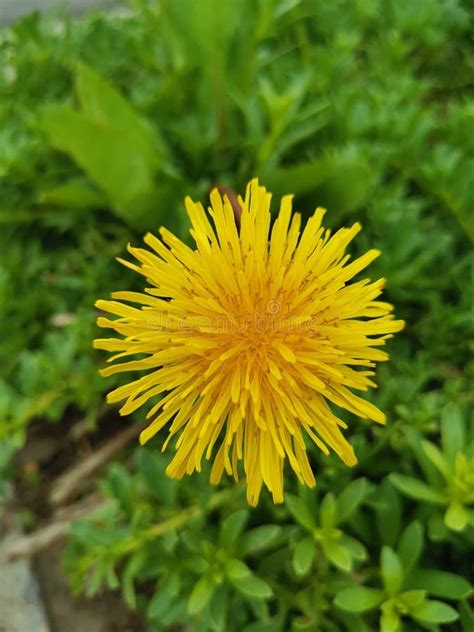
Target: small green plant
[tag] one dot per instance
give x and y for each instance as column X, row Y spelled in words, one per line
column 449, row 472
column 405, row 587
column 327, row 538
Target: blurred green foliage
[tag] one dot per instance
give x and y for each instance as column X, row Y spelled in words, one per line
column 365, row 106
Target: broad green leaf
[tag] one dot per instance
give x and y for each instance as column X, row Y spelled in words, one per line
column 392, row 571
column 300, row 512
column 327, row 511
column 410, row 546
column 431, row 611
column 440, row 583
column 359, row 598
column 348, row 183
column 338, row 554
column 112, row 158
column 102, row 104
column 339, row 181
column 416, row 489
column 201, row 594
column 350, row 498
column 299, row 178
column 253, row 587
column 303, row 556
column 260, row 538
column 456, row 517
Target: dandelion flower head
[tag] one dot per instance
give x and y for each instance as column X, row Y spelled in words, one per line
column 247, row 339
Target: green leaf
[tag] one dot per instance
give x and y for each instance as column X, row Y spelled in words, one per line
column 440, row 583
column 152, row 467
column 456, row 517
column 121, row 485
column 412, row 598
column 253, row 587
column 260, row 538
column 300, row 512
column 112, row 580
column 350, row 498
column 355, row 548
column 231, row 527
column 338, row 181
column 431, row 611
column 392, row 571
column 452, row 431
column 410, row 546
column 74, row 193
column 273, row 625
column 347, row 186
column 437, row 530
column 327, row 512
column 164, row 596
column 436, row 457
column 218, row 609
column 359, row 598
column 430, row 472
column 387, row 506
column 110, row 157
column 131, row 570
column 466, row 615
column 303, row 556
column 338, row 554
column 201, row 594
column 352, row 622
column 91, row 536
column 413, row 488
column 298, row 178
column 236, row 569
column 389, row 619
column 104, row 105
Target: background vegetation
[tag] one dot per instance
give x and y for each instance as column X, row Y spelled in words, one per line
column 364, row 106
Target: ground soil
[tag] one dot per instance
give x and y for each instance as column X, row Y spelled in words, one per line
column 50, row 450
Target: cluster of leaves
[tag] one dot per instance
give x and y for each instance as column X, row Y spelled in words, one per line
column 360, row 105
column 348, row 560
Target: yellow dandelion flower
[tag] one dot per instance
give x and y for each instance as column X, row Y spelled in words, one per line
column 248, row 338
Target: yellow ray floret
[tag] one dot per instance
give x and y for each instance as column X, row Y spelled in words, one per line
column 244, row 340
